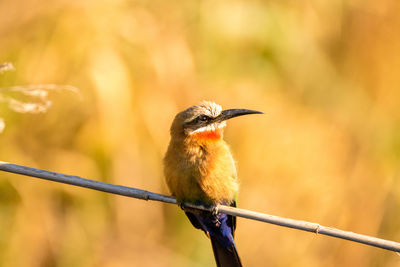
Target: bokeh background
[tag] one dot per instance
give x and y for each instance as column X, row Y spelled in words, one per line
column 327, row 150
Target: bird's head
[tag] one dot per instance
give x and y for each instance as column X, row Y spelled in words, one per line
column 206, row 121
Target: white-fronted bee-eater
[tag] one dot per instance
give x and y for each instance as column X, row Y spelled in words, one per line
column 199, row 168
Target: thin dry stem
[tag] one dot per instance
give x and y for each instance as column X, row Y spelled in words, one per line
column 146, row 195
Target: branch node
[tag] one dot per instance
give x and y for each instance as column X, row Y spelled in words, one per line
column 317, row 229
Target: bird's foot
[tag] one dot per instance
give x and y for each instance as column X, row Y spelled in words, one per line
column 181, row 205
column 199, row 207
column 214, row 210
column 187, row 206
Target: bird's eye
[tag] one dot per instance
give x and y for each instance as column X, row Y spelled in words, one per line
column 203, row 118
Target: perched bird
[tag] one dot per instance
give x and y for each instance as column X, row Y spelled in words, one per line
column 199, row 168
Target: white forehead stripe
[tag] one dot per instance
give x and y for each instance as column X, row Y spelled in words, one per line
column 212, row 108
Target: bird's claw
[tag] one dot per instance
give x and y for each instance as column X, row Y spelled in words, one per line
column 214, row 210
column 181, row 205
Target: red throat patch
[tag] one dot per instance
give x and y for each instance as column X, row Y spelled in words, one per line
column 209, row 135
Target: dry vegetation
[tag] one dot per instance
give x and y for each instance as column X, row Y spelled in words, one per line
column 326, row 73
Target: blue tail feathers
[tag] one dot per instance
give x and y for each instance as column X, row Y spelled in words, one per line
column 225, row 256
column 220, row 229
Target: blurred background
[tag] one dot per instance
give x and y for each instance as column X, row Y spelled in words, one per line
column 327, row 150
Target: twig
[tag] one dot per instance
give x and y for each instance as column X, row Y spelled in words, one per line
column 146, row 195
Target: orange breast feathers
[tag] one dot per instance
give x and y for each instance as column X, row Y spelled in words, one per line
column 203, row 173
column 209, row 135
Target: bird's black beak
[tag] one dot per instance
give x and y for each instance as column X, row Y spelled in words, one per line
column 231, row 113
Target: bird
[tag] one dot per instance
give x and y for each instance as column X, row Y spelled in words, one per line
column 199, row 168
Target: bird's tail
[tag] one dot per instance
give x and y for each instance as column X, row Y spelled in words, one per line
column 225, row 256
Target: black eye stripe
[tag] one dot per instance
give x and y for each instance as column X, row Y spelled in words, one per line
column 203, row 118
